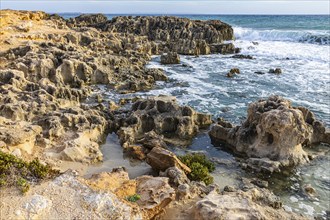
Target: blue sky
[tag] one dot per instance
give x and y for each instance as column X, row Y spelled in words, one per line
column 174, row 7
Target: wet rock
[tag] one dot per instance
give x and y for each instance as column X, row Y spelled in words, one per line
column 232, row 72
column 161, row 159
column 260, row 183
column 241, row 56
column 224, row 48
column 273, row 134
column 275, row 71
column 309, row 189
column 170, row 58
column 259, row 72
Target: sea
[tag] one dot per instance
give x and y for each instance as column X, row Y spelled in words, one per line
column 300, row 46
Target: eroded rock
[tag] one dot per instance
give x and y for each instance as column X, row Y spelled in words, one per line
column 273, row 130
column 162, row 116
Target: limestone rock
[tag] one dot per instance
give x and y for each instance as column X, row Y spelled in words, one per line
column 176, row 176
column 163, row 116
column 155, row 194
column 21, row 135
column 254, row 204
column 161, row 159
column 274, row 130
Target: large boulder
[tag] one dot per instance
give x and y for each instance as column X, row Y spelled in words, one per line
column 274, row 130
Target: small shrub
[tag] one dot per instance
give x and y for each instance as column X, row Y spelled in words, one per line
column 200, row 167
column 16, row 172
column 133, row 198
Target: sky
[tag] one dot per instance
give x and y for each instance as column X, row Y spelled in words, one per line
column 173, row 6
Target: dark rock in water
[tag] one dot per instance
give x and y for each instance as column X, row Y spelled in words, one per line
column 223, row 48
column 232, row 72
column 260, row 183
column 273, row 134
column 241, row 56
column 309, row 190
column 275, row 71
column 259, row 72
column 255, row 43
column 170, row 58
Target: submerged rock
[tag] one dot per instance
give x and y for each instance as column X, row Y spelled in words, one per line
column 275, row 71
column 241, row 56
column 273, row 134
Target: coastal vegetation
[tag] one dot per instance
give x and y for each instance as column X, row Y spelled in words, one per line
column 19, row 173
column 200, row 167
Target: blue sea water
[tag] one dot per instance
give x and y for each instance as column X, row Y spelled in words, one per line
column 299, row 45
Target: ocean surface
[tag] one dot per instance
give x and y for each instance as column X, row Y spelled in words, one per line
column 300, row 46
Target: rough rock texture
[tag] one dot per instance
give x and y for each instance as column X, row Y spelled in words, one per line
column 273, row 130
column 103, row 196
column 179, row 35
column 149, row 118
column 169, row 58
column 67, row 197
column 253, row 204
column 155, row 194
column 161, row 159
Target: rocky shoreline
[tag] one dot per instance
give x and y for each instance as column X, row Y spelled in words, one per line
column 48, row 110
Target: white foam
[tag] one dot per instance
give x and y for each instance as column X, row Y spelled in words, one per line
column 308, row 36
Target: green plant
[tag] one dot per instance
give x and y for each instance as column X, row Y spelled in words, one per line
column 133, row 198
column 200, row 167
column 16, row 172
column 23, row 185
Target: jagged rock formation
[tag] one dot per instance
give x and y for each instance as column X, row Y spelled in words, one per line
column 160, row 119
column 273, row 130
column 179, row 35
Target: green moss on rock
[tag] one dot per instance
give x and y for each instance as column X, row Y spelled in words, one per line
column 200, row 167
